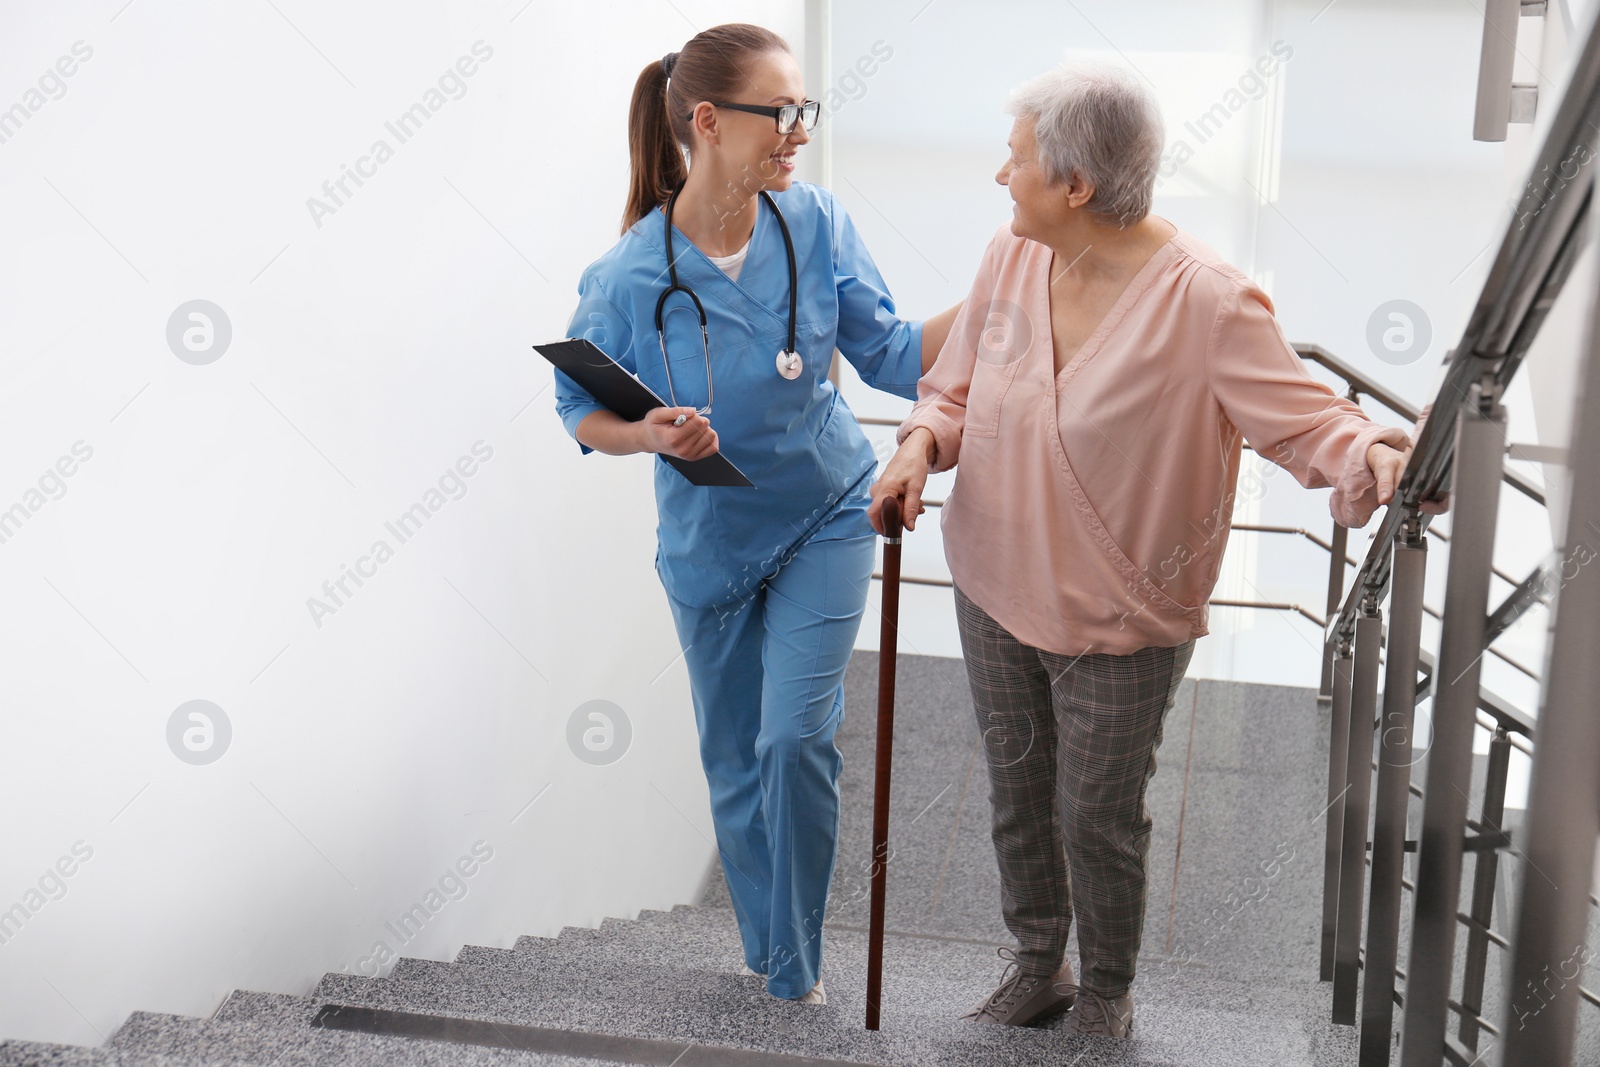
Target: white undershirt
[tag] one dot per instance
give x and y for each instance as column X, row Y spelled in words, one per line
column 730, row 264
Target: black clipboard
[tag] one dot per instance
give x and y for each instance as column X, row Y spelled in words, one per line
column 606, row 380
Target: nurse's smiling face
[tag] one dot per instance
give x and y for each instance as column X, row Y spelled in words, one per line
column 749, row 147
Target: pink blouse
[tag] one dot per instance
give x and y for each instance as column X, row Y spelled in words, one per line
column 1091, row 508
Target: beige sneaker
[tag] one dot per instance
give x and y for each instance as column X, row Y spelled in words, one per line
column 1104, row 1016
column 818, row 995
column 1024, row 999
column 747, row 972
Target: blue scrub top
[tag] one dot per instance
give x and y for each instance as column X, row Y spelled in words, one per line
column 796, row 440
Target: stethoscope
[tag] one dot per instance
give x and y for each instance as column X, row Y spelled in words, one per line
column 789, row 362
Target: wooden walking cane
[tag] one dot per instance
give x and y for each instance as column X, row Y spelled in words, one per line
column 880, row 786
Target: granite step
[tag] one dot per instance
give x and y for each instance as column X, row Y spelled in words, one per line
column 702, row 939
column 14, row 1053
column 610, row 930
column 1187, row 1014
column 266, row 1028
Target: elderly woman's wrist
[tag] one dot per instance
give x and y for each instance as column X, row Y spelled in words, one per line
column 922, row 440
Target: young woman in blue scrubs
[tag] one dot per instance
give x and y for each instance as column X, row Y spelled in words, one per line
column 767, row 585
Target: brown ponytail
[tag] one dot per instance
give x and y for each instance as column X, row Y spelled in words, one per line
column 708, row 68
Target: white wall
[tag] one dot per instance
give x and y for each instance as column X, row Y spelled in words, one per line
column 427, row 716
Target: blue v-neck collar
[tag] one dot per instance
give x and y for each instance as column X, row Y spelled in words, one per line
column 696, row 269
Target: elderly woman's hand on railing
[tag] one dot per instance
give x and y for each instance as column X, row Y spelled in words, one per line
column 1388, row 464
column 904, row 476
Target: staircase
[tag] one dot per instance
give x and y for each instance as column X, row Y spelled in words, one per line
column 1228, row 974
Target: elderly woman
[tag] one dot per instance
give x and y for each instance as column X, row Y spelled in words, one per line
column 1094, row 390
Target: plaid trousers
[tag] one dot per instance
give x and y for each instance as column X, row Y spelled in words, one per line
column 1070, row 743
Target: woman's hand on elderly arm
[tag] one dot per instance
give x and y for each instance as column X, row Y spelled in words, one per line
column 904, row 476
column 934, row 332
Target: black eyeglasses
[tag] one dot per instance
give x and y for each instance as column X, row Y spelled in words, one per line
column 784, row 114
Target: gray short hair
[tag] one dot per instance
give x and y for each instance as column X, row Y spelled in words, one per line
column 1100, row 123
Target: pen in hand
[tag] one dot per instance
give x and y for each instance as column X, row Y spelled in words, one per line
column 679, row 432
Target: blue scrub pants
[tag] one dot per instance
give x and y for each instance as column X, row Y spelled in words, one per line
column 768, row 680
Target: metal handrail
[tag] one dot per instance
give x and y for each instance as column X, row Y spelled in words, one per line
column 1519, row 602
column 1529, row 271
column 1300, row 531
column 1271, row 605
column 1466, row 426
column 1355, row 379
column 1496, row 571
column 1434, row 613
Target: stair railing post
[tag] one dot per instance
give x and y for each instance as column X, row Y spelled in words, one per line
column 1357, row 806
column 1339, row 545
column 1395, row 758
column 1338, row 756
column 1549, row 945
column 1485, row 869
column 1493, row 111
column 1479, row 455
column 1336, row 565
